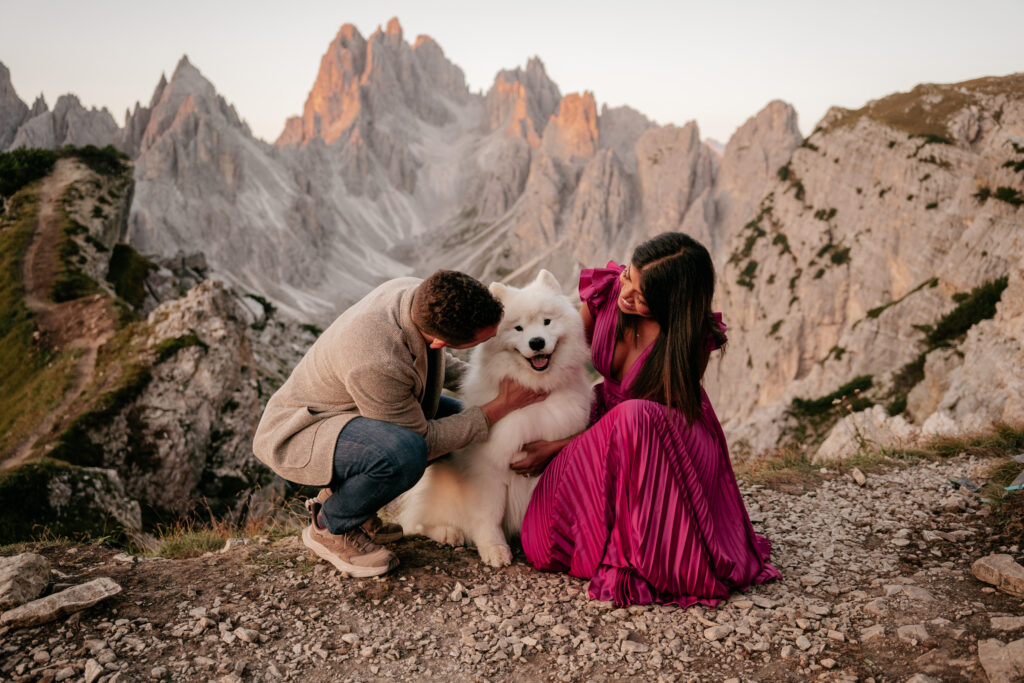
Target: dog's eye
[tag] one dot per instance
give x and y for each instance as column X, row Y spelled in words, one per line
column 519, row 328
column 547, row 321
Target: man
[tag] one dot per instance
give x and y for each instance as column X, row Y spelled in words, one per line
column 362, row 412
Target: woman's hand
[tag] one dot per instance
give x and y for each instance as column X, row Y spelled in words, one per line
column 511, row 396
column 538, row 455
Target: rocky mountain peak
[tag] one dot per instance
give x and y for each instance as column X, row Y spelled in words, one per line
column 573, row 132
column 760, row 146
column 189, row 90
column 68, row 124
column 39, row 106
column 522, row 101
column 381, row 76
column 12, row 110
column 394, row 30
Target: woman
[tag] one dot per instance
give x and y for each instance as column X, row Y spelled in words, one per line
column 644, row 503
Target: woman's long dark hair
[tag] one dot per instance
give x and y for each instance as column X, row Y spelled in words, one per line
column 677, row 279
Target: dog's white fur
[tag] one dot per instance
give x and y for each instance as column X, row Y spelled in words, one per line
column 472, row 495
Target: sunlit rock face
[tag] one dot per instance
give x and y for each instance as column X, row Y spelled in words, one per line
column 861, row 243
column 829, row 250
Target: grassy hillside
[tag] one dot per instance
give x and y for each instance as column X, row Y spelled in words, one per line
column 33, row 379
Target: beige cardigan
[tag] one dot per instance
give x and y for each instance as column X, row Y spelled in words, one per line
column 371, row 362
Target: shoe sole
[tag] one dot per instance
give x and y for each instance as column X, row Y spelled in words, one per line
column 354, row 570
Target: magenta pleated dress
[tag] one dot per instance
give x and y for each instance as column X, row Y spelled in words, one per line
column 643, row 504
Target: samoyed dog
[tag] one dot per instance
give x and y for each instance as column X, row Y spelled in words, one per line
column 472, row 496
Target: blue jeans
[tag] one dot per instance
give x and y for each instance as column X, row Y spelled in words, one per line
column 374, row 463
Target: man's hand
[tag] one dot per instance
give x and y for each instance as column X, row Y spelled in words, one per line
column 538, row 455
column 511, row 396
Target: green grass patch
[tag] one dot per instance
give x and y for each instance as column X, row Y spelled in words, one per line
column 127, row 272
column 823, row 404
column 71, row 283
column 22, row 166
column 169, row 347
column 840, row 256
column 32, row 378
column 786, row 467
column 979, row 305
column 103, row 160
column 746, row 278
column 878, row 310
column 75, row 444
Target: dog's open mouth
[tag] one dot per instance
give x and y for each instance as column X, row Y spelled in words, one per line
column 540, row 362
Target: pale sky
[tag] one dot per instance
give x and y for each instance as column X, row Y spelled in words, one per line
column 717, row 62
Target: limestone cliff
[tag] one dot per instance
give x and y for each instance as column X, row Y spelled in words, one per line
column 880, row 232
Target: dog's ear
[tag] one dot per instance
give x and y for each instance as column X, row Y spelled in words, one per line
column 498, row 290
column 545, row 278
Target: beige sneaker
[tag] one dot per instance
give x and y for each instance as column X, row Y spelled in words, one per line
column 379, row 531
column 351, row 552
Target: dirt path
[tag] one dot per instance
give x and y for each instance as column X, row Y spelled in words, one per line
column 82, row 324
column 877, row 586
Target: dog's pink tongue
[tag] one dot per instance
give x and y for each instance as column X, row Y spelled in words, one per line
column 539, row 362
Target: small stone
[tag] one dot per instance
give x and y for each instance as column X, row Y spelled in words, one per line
column 528, row 641
column 828, row 662
column 40, row 656
column 158, row 672
column 65, row 602
column 1002, row 662
column 366, row 652
column 836, row 635
column 633, row 647
column 94, row 645
column 350, row 638
column 64, row 674
column 762, row 602
column 872, row 633
column 1002, row 572
column 544, row 619
column 560, row 630
column 247, row 635
column 93, row 670
column 876, row 608
column 235, row 543
column 1007, row 623
column 810, row 580
column 718, row 632
column 912, row 633
column 858, row 477
column 22, row 578
column 918, row 593
column 803, row 643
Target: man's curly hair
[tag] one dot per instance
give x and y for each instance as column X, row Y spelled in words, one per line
column 454, row 307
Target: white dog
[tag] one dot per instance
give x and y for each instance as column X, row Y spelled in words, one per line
column 472, row 495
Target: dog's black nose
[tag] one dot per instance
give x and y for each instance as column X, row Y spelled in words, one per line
column 537, row 343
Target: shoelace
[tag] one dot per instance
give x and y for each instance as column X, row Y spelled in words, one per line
column 359, row 539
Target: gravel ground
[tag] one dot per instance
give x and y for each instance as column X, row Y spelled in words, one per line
column 877, row 586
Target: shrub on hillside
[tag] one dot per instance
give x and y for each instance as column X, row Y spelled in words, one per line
column 20, row 167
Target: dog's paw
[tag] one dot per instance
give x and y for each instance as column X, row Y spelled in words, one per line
column 448, row 535
column 496, row 555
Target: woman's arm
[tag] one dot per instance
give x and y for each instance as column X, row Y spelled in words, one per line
column 588, row 321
